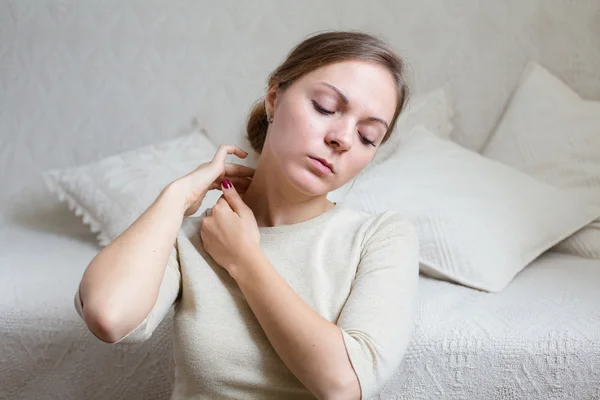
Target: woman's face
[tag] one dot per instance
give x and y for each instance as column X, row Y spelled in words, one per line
column 328, row 124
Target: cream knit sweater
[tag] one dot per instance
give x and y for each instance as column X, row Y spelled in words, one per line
column 356, row 270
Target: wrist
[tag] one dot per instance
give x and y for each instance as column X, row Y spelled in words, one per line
column 251, row 260
column 175, row 193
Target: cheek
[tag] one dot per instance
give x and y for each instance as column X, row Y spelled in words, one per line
column 296, row 125
column 357, row 163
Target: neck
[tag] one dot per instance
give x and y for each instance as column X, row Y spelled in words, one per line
column 274, row 201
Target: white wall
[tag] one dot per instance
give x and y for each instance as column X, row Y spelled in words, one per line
column 80, row 80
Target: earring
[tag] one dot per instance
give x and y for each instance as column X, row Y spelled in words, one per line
column 269, row 118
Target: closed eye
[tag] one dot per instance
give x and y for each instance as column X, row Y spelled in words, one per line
column 322, row 110
column 365, row 140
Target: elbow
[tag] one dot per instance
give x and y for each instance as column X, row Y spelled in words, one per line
column 103, row 324
column 342, row 388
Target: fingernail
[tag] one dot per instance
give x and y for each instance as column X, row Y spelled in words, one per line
column 226, row 183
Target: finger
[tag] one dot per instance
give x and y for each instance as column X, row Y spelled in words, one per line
column 238, row 170
column 224, row 150
column 233, row 198
column 221, row 204
column 240, row 184
column 221, row 201
column 237, row 181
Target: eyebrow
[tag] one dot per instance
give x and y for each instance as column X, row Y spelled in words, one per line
column 346, row 102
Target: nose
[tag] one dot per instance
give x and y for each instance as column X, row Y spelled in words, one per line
column 340, row 136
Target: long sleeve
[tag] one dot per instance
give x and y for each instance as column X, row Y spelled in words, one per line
column 168, row 292
column 377, row 321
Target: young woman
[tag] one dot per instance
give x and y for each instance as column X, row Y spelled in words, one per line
column 278, row 293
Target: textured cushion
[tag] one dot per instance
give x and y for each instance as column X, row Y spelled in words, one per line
column 111, row 193
column 480, row 222
column 550, row 133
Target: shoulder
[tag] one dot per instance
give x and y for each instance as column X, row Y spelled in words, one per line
column 380, row 224
column 386, row 229
column 391, row 223
column 389, row 241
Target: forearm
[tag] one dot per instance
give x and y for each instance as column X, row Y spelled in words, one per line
column 309, row 345
column 120, row 285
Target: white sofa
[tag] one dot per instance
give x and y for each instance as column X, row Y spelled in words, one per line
column 81, row 80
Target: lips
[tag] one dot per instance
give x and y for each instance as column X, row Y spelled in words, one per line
column 324, row 163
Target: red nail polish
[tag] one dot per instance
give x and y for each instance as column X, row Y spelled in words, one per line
column 226, row 183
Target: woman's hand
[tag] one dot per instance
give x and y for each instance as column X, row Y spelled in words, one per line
column 230, row 233
column 209, row 175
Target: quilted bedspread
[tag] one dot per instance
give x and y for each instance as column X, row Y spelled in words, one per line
column 539, row 339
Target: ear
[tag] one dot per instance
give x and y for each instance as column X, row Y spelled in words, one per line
column 271, row 98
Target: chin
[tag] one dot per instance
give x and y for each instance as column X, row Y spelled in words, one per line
column 308, row 183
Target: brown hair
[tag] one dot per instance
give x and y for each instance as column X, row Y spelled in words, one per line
column 318, row 51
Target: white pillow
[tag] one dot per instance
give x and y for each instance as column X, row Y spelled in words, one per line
column 112, row 193
column 480, row 222
column 433, row 110
column 550, row 133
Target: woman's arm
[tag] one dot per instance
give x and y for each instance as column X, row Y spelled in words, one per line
column 355, row 358
column 120, row 286
column 378, row 318
column 309, row 345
